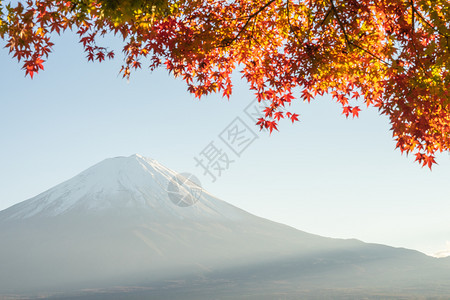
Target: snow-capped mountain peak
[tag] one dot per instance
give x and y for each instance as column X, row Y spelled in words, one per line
column 121, row 183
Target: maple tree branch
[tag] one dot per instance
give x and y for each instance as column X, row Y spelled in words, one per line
column 347, row 42
column 312, row 21
column 253, row 34
column 341, row 25
column 412, row 16
column 290, row 24
column 326, row 16
column 370, row 53
column 429, row 24
column 412, row 35
column 426, row 21
column 228, row 42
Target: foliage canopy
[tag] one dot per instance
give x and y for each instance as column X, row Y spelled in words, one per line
column 390, row 54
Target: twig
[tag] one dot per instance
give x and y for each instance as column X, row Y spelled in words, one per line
column 290, row 24
column 427, row 22
column 430, row 25
column 370, row 53
column 347, row 42
column 326, row 16
column 249, row 18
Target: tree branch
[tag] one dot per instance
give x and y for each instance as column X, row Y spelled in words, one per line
column 347, row 42
column 370, row 53
column 429, row 24
column 228, row 42
column 426, row 21
column 290, row 24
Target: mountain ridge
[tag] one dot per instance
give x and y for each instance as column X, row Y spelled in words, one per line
column 115, row 224
column 120, row 182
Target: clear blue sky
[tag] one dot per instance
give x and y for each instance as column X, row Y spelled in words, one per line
column 326, row 175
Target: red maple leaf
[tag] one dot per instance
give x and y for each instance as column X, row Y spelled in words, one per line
column 307, row 96
column 355, row 111
column 271, row 125
column 294, row 117
column 268, row 111
column 261, row 122
column 100, row 56
column 278, row 115
column 346, row 110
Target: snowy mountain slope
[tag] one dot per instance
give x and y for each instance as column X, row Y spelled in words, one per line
column 117, row 218
column 115, row 224
column 121, row 183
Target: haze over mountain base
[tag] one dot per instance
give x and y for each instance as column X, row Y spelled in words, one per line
column 112, row 232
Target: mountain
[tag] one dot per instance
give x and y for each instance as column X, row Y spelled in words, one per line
column 131, row 228
column 132, row 183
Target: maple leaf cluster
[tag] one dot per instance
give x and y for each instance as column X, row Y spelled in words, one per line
column 390, row 54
